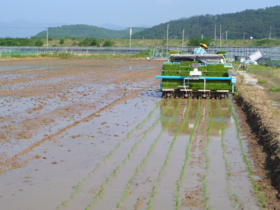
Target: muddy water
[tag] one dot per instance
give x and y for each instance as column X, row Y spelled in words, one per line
column 61, row 118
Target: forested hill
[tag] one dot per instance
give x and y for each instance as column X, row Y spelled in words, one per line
column 255, row 23
column 86, row 31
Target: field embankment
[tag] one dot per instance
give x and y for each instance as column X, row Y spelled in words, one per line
column 263, row 117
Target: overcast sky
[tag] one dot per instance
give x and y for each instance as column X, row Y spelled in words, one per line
column 120, row 12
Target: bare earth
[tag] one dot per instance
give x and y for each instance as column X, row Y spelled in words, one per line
column 91, row 134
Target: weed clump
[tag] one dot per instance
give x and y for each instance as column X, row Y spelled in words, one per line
column 262, row 81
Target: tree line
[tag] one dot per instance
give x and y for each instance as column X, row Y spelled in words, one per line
column 248, row 23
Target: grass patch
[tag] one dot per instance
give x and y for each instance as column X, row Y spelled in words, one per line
column 275, row 89
column 262, row 81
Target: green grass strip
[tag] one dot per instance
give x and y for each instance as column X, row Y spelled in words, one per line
column 255, row 186
column 179, row 180
column 232, row 195
column 204, row 183
column 153, row 192
column 78, row 185
column 139, row 167
column 103, row 185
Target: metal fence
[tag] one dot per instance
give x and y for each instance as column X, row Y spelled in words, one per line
column 271, row 54
column 73, row 50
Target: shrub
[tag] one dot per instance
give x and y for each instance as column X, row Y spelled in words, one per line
column 90, row 42
column 198, row 40
column 95, row 42
column 108, row 43
column 39, row 43
column 173, row 52
column 222, row 52
column 61, row 41
column 145, row 53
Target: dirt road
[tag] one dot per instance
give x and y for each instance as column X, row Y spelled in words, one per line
column 83, row 134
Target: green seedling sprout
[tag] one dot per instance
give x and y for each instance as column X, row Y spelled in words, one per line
column 153, row 192
column 105, row 182
column 128, row 185
column 77, row 187
column 178, row 182
column 244, row 155
column 233, row 196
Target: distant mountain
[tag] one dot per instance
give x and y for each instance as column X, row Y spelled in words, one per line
column 23, row 28
column 115, row 27
column 112, row 26
column 252, row 23
column 86, row 31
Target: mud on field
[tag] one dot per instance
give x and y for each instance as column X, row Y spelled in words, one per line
column 83, row 134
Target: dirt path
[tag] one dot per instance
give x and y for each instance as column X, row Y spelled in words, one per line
column 71, row 136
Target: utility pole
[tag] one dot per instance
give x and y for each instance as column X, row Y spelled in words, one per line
column 130, row 33
column 220, row 35
column 270, row 33
column 201, row 36
column 215, row 33
column 244, row 36
column 226, row 38
column 47, row 37
column 183, row 37
column 167, row 37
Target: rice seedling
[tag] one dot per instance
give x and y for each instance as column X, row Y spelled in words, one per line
column 204, row 182
column 153, row 192
column 233, row 196
column 108, row 178
column 244, row 155
column 77, row 187
column 128, row 185
column 178, row 182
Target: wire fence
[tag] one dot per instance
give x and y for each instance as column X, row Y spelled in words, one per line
column 271, row 54
column 10, row 51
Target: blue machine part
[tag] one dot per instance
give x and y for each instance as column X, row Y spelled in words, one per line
column 168, row 63
column 225, row 64
column 176, row 63
column 183, row 77
column 232, row 79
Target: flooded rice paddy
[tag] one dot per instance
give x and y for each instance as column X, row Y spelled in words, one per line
column 72, row 138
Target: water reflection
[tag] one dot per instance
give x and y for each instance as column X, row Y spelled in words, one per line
column 218, row 115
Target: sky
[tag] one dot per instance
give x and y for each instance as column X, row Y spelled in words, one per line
column 128, row 13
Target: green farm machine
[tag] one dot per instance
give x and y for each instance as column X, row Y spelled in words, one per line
column 197, row 76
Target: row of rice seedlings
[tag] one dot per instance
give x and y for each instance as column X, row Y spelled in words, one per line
column 104, row 184
column 139, row 167
column 153, row 192
column 77, row 188
column 204, row 183
column 255, row 186
column 179, row 180
column 233, row 196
